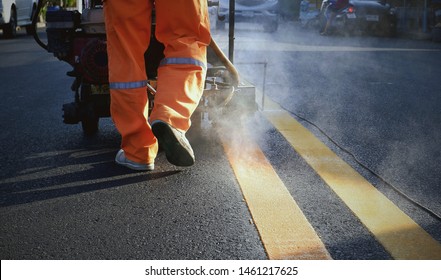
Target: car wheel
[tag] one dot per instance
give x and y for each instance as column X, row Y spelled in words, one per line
column 10, row 31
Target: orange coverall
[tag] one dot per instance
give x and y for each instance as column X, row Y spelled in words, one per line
column 183, row 27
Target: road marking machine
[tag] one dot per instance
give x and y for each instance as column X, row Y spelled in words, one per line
column 78, row 37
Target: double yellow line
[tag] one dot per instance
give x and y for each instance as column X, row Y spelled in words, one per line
column 284, row 230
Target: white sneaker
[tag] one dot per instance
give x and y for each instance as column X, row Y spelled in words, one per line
column 122, row 160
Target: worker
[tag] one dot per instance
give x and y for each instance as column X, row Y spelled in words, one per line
column 334, row 8
column 182, row 26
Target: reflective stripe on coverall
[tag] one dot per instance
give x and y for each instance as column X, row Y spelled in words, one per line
column 183, row 27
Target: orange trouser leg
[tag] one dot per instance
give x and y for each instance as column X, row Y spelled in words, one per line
column 128, row 25
column 183, row 27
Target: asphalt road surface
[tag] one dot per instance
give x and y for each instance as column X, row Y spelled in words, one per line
column 342, row 160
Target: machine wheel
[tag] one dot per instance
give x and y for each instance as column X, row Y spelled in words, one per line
column 90, row 125
column 89, row 120
column 10, row 30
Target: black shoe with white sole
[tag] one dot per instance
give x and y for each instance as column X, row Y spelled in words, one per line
column 177, row 149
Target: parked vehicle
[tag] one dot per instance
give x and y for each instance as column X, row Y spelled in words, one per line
column 344, row 19
column 15, row 13
column 366, row 16
column 265, row 12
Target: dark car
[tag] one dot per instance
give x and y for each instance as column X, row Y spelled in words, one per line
column 265, row 12
column 368, row 16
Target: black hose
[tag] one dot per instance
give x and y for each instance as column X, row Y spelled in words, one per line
column 34, row 24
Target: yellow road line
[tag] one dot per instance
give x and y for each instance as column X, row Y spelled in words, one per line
column 283, row 229
column 397, row 232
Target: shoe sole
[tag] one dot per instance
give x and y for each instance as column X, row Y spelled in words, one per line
column 148, row 167
column 134, row 167
column 177, row 153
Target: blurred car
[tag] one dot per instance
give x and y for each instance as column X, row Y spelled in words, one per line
column 265, row 12
column 370, row 16
column 14, row 13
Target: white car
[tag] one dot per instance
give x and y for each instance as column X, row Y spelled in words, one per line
column 14, row 13
column 265, row 12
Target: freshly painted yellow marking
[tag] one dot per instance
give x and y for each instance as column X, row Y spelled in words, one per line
column 397, row 232
column 283, row 229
